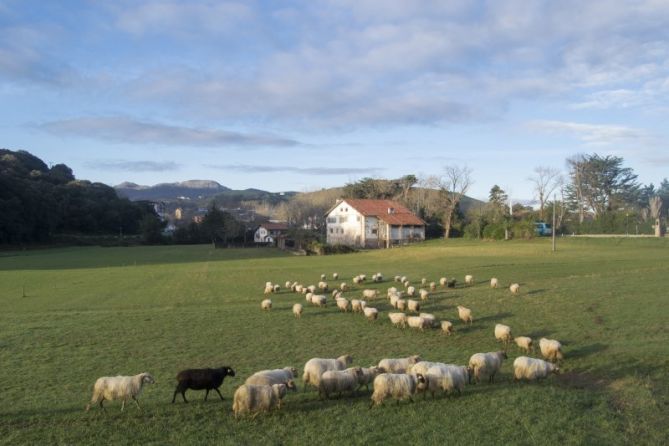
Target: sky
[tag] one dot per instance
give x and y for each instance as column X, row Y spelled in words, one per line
column 301, row 95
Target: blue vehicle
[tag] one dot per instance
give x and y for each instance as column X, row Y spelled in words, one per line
column 541, row 228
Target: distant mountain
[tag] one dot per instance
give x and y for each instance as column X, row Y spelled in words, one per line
column 191, row 190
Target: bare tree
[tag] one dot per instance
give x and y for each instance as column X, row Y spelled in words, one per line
column 454, row 184
column 545, row 180
column 655, row 204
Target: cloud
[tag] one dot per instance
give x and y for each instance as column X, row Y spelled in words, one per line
column 169, row 17
column 133, row 166
column 248, row 168
column 594, row 134
column 130, row 131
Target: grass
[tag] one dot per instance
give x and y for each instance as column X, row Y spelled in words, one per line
column 90, row 312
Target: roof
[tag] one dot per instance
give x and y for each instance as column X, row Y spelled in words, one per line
column 399, row 215
column 274, row 226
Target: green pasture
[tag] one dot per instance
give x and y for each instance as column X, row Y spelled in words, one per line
column 72, row 315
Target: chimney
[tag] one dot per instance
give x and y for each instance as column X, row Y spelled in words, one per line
column 391, row 210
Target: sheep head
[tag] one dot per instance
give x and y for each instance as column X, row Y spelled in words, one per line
column 147, row 378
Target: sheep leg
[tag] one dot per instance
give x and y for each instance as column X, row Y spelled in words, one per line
column 122, row 404
column 137, row 402
column 219, row 394
column 206, row 394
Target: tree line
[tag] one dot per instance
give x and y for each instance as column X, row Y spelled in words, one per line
column 38, row 203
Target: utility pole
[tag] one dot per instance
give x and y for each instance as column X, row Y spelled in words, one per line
column 553, row 225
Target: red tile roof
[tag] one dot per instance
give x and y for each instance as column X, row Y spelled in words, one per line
column 379, row 208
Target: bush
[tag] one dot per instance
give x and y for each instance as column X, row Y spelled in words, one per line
column 523, row 229
column 494, row 231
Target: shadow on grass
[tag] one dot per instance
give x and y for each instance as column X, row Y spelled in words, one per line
column 539, row 291
column 586, row 350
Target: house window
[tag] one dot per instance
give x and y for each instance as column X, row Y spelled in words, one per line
column 343, row 218
column 332, row 220
column 357, row 218
column 331, row 231
column 375, row 231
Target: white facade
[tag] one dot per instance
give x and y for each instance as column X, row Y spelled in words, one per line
column 347, row 226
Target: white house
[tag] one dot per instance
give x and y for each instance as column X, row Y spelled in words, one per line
column 372, row 224
column 271, row 233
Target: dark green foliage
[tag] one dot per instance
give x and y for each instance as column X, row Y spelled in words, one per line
column 38, row 202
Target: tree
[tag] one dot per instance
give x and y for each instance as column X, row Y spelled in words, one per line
column 655, row 204
column 601, row 184
column 545, row 181
column 213, row 224
column 454, row 184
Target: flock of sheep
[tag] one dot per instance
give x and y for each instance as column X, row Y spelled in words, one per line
column 391, row 378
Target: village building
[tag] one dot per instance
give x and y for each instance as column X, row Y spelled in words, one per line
column 271, row 233
column 368, row 223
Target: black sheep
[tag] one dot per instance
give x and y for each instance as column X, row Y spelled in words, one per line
column 199, row 379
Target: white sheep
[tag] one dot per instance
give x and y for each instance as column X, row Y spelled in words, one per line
column 447, row 378
column 323, row 286
column 311, row 289
column 403, row 279
column 447, row 327
column 297, row 310
column 429, row 319
column 356, row 307
column 371, row 313
column 269, row 289
column 343, row 304
column 487, row 364
column 298, row 288
column 370, row 294
column 443, row 281
column 424, row 294
column 285, row 375
column 266, row 304
column 398, row 365
column 398, row 319
column 433, row 286
column 356, row 280
column 465, row 314
column 392, row 291
column 378, row 277
column 367, row 376
column 343, row 286
column 319, row 300
column 411, row 291
column 503, row 333
column 421, row 367
column 401, row 304
column 335, row 276
column 336, row 293
column 397, row 278
column 393, row 301
column 406, row 284
column 251, row 398
column 413, row 305
column 469, row 279
column 308, row 297
column 338, row 381
column 418, row 322
column 363, row 277
column 532, row 369
column 277, row 288
column 323, row 277
column 315, row 367
column 398, row 386
column 514, row 288
column 494, row 283
column 423, row 281
column 293, row 286
column 551, row 349
column 524, row 343
column 288, row 284
column 119, row 388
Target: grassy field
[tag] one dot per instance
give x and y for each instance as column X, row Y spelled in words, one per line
column 90, row 312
